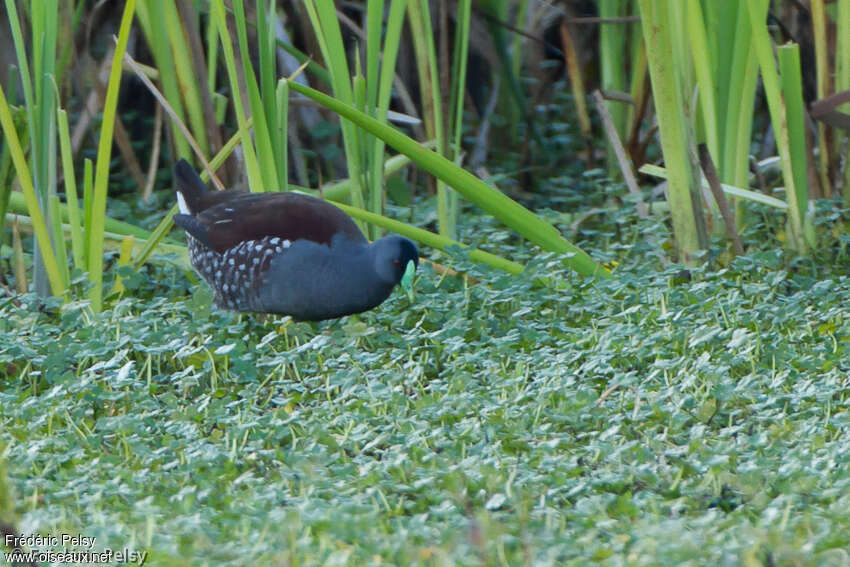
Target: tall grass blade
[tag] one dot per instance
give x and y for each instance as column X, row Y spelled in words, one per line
column 59, row 239
column 151, row 17
column 682, row 190
column 779, row 119
column 822, row 72
column 88, row 192
column 19, row 265
column 255, row 178
column 265, row 153
column 39, row 225
column 282, row 98
column 432, row 103
column 187, row 76
column 430, row 239
column 77, row 237
column 322, row 14
column 104, row 151
column 492, row 201
column 792, row 92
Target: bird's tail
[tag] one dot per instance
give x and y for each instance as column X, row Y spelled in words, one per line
column 190, row 187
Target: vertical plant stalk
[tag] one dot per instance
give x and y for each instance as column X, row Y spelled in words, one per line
column 737, row 89
column 792, row 92
column 88, row 191
column 681, row 188
column 323, row 16
column 190, row 23
column 39, row 225
column 151, row 18
column 187, row 76
column 620, row 152
column 98, row 212
column 821, row 89
column 59, row 238
column 457, row 93
column 714, row 184
column 77, row 250
column 262, row 141
column 571, row 61
column 380, row 70
column 638, row 88
column 251, row 165
column 702, row 67
column 842, row 74
column 432, row 108
column 282, row 97
column 779, row 119
column 612, row 40
column 40, row 101
column 19, row 266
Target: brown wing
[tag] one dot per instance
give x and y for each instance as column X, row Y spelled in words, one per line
column 289, row 216
column 210, row 199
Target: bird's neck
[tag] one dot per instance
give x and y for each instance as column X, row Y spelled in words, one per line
column 353, row 276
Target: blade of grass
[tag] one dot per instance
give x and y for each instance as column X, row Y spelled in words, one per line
column 322, row 14
column 422, row 38
column 754, row 196
column 17, row 205
column 71, row 191
column 612, row 42
column 492, row 201
column 683, row 194
column 151, row 17
column 103, row 158
column 741, row 83
column 282, row 97
column 842, row 72
column 6, row 176
column 123, row 260
column 266, row 18
column 702, row 67
column 779, row 119
column 430, row 239
column 59, row 239
column 792, row 92
column 88, row 191
column 251, row 166
column 113, row 240
column 265, row 154
column 571, row 61
column 380, row 67
column 187, row 76
column 821, row 88
column 19, row 265
column 457, row 92
column 40, row 226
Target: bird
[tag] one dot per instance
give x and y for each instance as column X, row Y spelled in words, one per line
column 287, row 253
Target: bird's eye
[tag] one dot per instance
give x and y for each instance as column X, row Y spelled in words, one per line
column 397, row 262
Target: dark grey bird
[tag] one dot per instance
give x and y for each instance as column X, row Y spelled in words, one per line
column 287, row 253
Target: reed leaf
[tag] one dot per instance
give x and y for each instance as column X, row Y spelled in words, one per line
column 77, row 236
column 255, row 178
column 682, row 191
column 778, row 116
column 25, row 179
column 489, row 199
column 104, row 150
